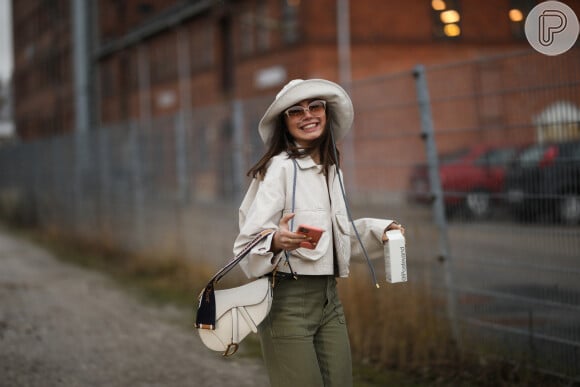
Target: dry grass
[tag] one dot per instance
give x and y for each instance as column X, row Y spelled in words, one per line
column 157, row 275
column 403, row 327
column 397, row 326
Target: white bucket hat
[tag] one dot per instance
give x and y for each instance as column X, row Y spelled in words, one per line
column 338, row 103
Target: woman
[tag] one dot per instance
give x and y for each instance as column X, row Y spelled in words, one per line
column 304, row 338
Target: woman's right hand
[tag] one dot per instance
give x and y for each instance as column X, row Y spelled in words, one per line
column 284, row 239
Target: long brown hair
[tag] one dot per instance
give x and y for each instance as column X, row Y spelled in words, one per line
column 281, row 140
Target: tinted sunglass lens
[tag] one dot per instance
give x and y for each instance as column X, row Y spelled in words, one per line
column 316, row 107
column 295, row 112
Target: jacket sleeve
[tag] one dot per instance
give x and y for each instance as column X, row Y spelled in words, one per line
column 261, row 209
column 371, row 232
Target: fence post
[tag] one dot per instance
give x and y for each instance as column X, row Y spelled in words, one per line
column 237, row 149
column 185, row 116
column 81, row 162
column 103, row 145
column 428, row 136
column 135, row 131
column 181, row 157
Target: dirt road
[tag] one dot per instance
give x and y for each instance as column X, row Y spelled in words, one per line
column 64, row 326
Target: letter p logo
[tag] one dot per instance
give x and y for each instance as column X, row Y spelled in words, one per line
column 552, row 22
column 552, row 28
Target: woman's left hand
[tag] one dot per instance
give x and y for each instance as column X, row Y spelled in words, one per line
column 284, row 239
column 393, row 226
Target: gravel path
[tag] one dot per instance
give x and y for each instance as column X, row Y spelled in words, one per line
column 61, row 325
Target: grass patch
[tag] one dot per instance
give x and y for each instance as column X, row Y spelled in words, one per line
column 155, row 276
column 400, row 330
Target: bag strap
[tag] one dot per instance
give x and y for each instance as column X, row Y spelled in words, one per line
column 286, row 253
column 337, row 169
column 206, row 310
column 241, row 255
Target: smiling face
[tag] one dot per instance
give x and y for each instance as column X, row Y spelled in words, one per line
column 306, row 121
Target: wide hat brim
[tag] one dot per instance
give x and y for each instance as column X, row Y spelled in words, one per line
column 339, row 107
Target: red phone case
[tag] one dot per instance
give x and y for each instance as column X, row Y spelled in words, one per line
column 313, row 232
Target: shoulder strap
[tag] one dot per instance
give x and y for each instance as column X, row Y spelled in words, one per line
column 337, row 171
column 286, row 254
column 241, row 255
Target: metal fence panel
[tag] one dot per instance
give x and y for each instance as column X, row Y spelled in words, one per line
column 515, row 263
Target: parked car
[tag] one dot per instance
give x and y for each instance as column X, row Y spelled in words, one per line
column 545, row 183
column 471, row 178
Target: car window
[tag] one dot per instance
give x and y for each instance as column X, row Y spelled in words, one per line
column 497, row 157
column 453, row 157
column 570, row 152
column 532, row 156
column 561, row 153
column 576, row 153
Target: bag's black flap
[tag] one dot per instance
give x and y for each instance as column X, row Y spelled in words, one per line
column 206, row 310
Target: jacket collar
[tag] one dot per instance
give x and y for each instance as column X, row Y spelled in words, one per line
column 306, row 162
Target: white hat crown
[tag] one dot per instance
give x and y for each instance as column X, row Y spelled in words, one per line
column 338, row 103
column 287, row 86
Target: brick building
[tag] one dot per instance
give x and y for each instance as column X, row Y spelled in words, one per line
column 43, row 99
column 154, row 57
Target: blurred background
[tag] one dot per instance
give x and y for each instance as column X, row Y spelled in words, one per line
column 132, row 124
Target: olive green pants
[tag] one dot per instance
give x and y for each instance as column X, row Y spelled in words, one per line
column 304, row 337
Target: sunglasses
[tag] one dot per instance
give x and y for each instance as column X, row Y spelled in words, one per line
column 316, row 108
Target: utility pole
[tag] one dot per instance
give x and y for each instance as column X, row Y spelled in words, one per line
column 81, row 90
column 343, row 40
column 82, row 65
column 344, row 78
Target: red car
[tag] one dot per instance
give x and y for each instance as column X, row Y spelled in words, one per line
column 471, row 178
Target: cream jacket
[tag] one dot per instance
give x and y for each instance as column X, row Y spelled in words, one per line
column 316, row 205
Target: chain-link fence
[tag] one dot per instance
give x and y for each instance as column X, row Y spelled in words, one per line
column 514, row 265
column 492, row 149
column 480, row 160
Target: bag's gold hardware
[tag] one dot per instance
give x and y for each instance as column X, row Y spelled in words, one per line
column 233, row 347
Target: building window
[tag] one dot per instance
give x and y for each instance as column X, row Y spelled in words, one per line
column 446, row 19
column 226, row 54
column 259, row 27
column 247, row 33
column 164, row 59
column 290, row 20
column 517, row 14
column 145, row 8
column 264, row 25
column 108, row 79
column 133, row 75
column 201, row 46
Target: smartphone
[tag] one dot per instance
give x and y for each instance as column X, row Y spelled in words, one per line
column 313, row 232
